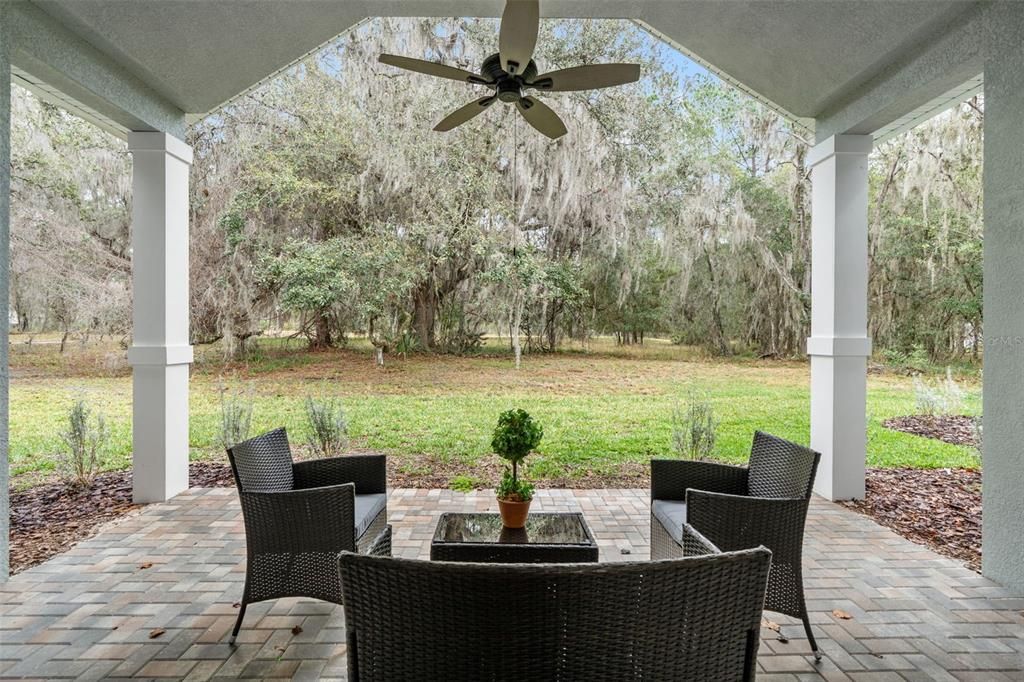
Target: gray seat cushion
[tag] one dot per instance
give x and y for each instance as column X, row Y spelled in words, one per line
column 367, row 508
column 672, row 515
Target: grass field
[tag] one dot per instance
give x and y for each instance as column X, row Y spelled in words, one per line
column 599, row 406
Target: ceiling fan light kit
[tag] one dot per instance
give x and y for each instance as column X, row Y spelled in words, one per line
column 512, row 71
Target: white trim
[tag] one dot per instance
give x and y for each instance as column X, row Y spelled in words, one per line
column 159, row 356
column 839, row 346
column 57, row 97
column 839, row 144
column 804, row 124
column 193, row 118
column 164, row 143
column 930, row 109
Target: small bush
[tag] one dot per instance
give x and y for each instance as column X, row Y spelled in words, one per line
column 328, row 427
column 914, row 360
column 694, row 428
column 236, row 406
column 85, row 441
column 935, row 399
column 515, row 436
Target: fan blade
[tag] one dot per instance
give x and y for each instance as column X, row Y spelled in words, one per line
column 590, row 77
column 518, row 36
column 541, row 117
column 431, row 68
column 460, row 116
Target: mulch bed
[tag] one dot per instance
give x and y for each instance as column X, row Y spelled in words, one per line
column 940, row 508
column 937, row 507
column 50, row 518
column 957, row 429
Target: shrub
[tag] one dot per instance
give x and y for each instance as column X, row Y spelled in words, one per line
column 86, row 441
column 939, row 398
column 236, row 408
column 914, row 360
column 694, row 429
column 328, row 427
column 515, row 436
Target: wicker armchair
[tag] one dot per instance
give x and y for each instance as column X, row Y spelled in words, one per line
column 299, row 516
column 739, row 507
column 685, row 619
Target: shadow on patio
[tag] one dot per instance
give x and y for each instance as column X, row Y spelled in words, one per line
column 152, row 596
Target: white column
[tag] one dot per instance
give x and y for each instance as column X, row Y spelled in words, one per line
column 839, row 345
column 160, row 354
column 5, row 254
column 1002, row 541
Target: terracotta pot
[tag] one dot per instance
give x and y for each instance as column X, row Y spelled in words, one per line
column 513, row 514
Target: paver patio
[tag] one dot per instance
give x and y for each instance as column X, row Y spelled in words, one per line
column 88, row 614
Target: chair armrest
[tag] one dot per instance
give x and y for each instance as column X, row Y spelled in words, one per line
column 382, row 544
column 369, row 473
column 670, row 478
column 695, row 544
column 300, row 521
column 734, row 522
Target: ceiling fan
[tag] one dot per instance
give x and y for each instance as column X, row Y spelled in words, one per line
column 512, row 71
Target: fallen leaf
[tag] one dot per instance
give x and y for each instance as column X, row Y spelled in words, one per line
column 784, row 640
column 153, row 634
column 297, row 629
column 145, row 565
column 236, row 605
column 771, row 625
column 842, row 615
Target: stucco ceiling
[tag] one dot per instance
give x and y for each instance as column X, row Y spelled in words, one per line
column 802, row 55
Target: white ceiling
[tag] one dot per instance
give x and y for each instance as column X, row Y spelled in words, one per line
column 803, row 56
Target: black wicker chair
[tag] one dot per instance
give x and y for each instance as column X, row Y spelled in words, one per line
column 692, row 618
column 299, row 516
column 740, row 507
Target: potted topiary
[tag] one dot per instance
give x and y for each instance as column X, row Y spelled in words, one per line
column 514, row 437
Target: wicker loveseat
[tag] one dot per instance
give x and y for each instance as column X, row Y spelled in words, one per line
column 299, row 516
column 694, row 618
column 764, row 503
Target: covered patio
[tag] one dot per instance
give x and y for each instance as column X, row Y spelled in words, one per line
column 152, row 596
column 176, row 568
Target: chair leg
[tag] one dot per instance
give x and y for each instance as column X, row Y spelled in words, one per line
column 238, row 624
column 810, row 636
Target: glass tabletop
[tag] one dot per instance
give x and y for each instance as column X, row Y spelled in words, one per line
column 541, row 529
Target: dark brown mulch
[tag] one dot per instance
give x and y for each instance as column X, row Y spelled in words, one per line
column 940, row 508
column 50, row 518
column 957, row 429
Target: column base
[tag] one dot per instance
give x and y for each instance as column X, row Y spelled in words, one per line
column 839, row 424
column 159, row 432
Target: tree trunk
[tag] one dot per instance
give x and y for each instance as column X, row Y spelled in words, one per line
column 425, row 311
column 718, row 328
column 517, row 320
column 321, row 333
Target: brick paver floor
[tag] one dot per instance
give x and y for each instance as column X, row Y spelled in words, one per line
column 91, row 613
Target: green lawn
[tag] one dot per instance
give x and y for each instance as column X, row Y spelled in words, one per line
column 599, row 407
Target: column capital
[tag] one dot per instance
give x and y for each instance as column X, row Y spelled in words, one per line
column 147, row 141
column 839, row 144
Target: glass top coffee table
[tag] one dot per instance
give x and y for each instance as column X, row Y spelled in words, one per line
column 547, row 538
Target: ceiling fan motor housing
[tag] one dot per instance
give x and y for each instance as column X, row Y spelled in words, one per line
column 509, row 87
